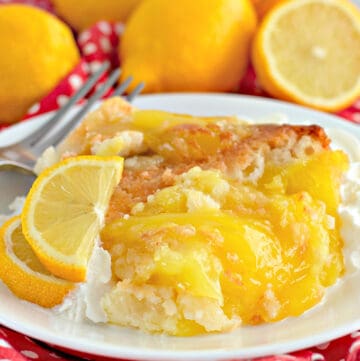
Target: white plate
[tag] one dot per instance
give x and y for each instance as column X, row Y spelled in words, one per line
column 337, row 316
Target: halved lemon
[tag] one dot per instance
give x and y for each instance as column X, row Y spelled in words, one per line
column 308, row 52
column 65, row 210
column 23, row 273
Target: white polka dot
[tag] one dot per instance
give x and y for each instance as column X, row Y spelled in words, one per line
column 75, row 81
column 3, row 343
column 62, row 100
column 85, row 67
column 54, row 355
column 323, row 346
column 119, row 28
column 84, row 37
column 317, row 357
column 355, row 346
column 95, row 65
column 105, row 44
column 5, row 359
column 355, row 334
column 104, row 27
column 89, row 48
column 34, row 109
column 30, row 354
column 356, row 117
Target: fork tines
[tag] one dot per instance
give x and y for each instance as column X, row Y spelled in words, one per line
column 101, row 89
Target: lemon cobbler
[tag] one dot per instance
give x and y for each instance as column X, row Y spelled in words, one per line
column 215, row 222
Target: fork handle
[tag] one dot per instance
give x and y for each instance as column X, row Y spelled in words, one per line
column 18, row 154
column 19, row 167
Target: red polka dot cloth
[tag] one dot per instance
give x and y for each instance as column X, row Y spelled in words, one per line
column 97, row 44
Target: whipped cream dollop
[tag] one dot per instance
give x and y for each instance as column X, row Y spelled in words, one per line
column 15, row 208
column 85, row 301
column 349, row 212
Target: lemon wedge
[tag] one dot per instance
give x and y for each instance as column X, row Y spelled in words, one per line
column 65, row 210
column 23, row 273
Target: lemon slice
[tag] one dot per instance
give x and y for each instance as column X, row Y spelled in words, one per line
column 23, row 273
column 308, row 52
column 65, row 210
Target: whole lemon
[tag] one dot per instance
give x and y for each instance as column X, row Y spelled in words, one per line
column 81, row 14
column 37, row 51
column 187, row 45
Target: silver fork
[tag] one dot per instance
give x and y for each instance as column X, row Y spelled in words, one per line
column 22, row 155
column 18, row 159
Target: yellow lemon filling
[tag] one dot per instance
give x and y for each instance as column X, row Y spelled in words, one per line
column 209, row 253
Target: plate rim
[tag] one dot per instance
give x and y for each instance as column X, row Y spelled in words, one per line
column 196, row 355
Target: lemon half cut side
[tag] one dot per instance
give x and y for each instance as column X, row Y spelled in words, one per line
column 308, row 52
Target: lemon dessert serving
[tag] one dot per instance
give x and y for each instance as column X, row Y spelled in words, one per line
column 179, row 224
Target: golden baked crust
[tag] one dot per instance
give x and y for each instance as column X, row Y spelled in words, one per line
column 105, row 121
column 237, row 149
